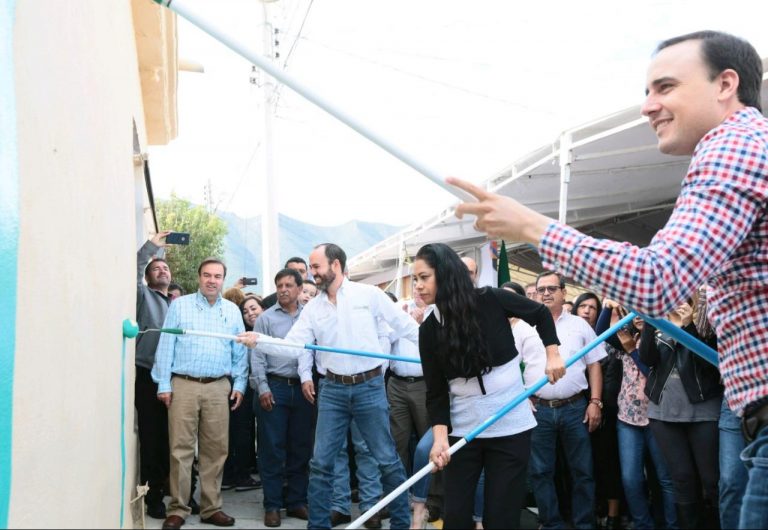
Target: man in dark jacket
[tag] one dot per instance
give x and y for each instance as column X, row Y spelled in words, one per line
column 151, row 307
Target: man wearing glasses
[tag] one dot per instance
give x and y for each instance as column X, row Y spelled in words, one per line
column 563, row 410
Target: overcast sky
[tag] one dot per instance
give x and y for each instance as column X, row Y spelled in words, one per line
column 465, row 87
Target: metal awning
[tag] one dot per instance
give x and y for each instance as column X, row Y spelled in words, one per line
column 611, row 182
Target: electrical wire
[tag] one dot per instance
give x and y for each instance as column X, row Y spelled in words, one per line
column 430, row 80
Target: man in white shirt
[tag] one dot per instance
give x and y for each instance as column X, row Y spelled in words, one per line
column 345, row 315
column 562, row 410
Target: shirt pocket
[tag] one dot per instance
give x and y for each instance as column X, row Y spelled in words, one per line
column 362, row 323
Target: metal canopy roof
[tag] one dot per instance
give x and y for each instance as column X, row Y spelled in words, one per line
column 621, row 187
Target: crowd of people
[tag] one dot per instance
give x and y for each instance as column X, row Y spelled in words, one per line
column 637, row 431
column 590, row 449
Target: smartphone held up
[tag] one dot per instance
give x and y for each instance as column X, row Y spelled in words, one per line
column 177, row 238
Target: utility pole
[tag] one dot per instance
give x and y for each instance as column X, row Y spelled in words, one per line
column 269, row 218
column 208, row 196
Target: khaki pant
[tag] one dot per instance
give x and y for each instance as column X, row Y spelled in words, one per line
column 199, row 415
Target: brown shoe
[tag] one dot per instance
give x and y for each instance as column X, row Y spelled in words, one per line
column 338, row 518
column 272, row 519
column 299, row 512
column 373, row 522
column 219, row 519
column 173, row 522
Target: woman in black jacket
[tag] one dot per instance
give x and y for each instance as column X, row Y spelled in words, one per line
column 472, row 369
column 685, row 395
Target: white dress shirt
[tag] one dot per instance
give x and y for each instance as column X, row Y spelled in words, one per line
column 353, row 323
column 574, row 333
column 406, row 348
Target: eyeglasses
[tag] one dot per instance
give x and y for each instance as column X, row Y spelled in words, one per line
column 548, row 289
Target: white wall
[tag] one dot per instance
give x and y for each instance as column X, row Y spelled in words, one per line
column 78, row 95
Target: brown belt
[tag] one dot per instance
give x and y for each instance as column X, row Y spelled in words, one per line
column 204, row 380
column 554, row 403
column 354, row 379
column 753, row 421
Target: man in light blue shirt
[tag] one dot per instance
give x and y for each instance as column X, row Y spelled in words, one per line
column 192, row 376
column 346, row 315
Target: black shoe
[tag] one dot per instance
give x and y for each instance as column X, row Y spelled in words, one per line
column 384, row 512
column 248, row 484
column 227, row 486
column 338, row 518
column 434, row 513
column 374, row 522
column 156, row 510
column 194, row 506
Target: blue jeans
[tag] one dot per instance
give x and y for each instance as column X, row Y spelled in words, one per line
column 754, row 509
column 337, row 405
column 567, row 422
column 285, row 446
column 368, row 476
column 733, row 474
column 633, row 443
column 421, row 488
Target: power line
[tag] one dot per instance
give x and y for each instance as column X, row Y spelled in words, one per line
column 430, row 80
column 298, row 35
column 242, row 176
column 290, row 52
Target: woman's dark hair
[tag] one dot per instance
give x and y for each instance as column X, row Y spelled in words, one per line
column 241, row 305
column 587, row 296
column 466, row 351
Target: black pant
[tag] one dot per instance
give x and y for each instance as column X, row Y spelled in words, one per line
column 237, row 468
column 153, row 435
column 505, row 460
column 691, row 453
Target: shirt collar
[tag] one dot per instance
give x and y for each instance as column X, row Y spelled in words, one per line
column 278, row 307
column 437, row 314
column 202, row 300
column 324, row 294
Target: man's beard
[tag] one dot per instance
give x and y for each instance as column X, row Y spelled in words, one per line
column 325, row 280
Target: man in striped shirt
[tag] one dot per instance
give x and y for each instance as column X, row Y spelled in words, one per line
column 703, row 99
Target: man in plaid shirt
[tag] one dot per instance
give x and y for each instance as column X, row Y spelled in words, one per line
column 703, row 99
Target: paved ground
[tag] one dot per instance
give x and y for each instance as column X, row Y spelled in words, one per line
column 246, row 507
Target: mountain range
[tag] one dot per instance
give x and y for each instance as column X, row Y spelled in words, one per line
column 242, row 243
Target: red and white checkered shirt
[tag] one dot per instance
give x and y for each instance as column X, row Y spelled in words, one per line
column 717, row 233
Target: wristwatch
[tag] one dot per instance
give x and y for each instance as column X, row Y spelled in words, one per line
column 597, row 402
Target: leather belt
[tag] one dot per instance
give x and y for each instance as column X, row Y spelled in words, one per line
column 555, row 403
column 407, row 379
column 290, row 381
column 753, row 421
column 354, row 379
column 204, row 380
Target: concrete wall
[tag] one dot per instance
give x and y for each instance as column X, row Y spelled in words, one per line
column 78, row 96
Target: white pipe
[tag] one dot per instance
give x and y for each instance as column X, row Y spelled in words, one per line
column 357, row 523
column 180, row 7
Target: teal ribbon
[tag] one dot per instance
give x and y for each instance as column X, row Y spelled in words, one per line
column 122, row 435
column 9, row 249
